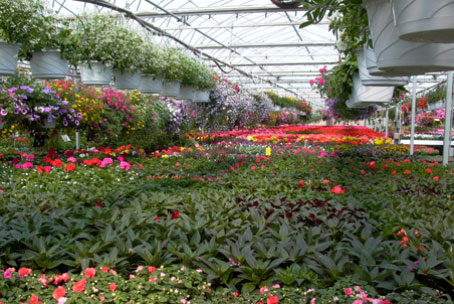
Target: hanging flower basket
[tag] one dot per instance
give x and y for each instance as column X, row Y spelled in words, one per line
column 186, row 93
column 8, row 57
column 202, row 96
column 420, row 21
column 50, row 124
column 171, row 88
column 95, row 73
column 402, row 57
column 49, row 65
column 127, row 81
column 370, row 95
column 151, row 84
column 369, row 80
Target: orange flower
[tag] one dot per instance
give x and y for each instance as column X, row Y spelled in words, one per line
column 70, row 167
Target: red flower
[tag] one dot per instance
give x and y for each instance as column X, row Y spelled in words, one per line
column 407, row 172
column 104, row 269
column 300, row 184
column 337, row 190
column 428, row 170
column 56, row 163
column 151, row 269
column 90, row 273
column 175, row 215
column 59, row 292
column 272, row 300
column 435, row 178
column 70, row 167
column 80, row 286
column 34, row 299
column 23, row 272
column 113, row 286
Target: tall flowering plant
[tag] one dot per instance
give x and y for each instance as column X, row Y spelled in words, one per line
column 30, row 105
column 103, row 111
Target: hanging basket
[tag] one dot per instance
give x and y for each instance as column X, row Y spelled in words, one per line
column 368, row 80
column 352, row 105
column 50, row 124
column 95, row 73
column 420, row 21
column 202, row 96
column 171, row 88
column 48, row 65
column 127, row 81
column 369, row 95
column 186, row 93
column 402, row 57
column 151, row 84
column 8, row 57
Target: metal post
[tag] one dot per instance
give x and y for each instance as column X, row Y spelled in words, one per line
column 448, row 120
column 387, row 122
column 413, row 118
column 77, row 140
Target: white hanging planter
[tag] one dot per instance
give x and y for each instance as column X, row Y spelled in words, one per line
column 421, row 21
column 368, row 80
column 351, row 104
column 127, row 81
column 186, row 93
column 202, row 96
column 48, row 65
column 151, row 84
column 50, row 124
column 369, row 95
column 95, row 74
column 171, row 88
column 8, row 57
column 402, row 57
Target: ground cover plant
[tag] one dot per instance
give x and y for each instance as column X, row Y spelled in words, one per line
column 234, row 221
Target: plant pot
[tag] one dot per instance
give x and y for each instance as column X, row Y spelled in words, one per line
column 186, row 93
column 8, row 57
column 48, row 65
column 50, row 124
column 202, row 96
column 171, row 88
column 151, row 84
column 369, row 80
column 95, row 73
column 369, row 95
column 351, row 104
column 402, row 57
column 418, row 21
column 127, row 81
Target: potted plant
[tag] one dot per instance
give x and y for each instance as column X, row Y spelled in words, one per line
column 418, row 22
column 22, row 24
column 94, row 48
column 128, row 57
column 153, row 69
column 173, row 73
column 205, row 82
column 189, row 79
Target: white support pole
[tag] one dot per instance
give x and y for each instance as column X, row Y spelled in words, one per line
column 448, row 120
column 77, row 140
column 413, row 118
column 387, row 122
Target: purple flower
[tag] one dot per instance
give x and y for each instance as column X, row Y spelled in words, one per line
column 77, row 122
column 24, row 111
column 11, row 90
column 79, row 115
column 24, row 97
column 7, row 275
column 48, row 91
column 30, row 90
column 24, row 87
column 3, row 112
column 65, row 102
column 65, row 122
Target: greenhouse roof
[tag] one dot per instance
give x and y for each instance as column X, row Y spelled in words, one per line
column 251, row 42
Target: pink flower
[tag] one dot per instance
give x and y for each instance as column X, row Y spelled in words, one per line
column 337, row 190
column 348, row 291
column 125, row 165
column 253, row 168
column 71, row 159
column 263, row 289
column 276, row 286
column 7, row 275
column 90, row 273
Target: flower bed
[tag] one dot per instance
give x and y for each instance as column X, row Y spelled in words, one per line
column 248, row 215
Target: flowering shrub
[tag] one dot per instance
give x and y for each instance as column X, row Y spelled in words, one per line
column 29, row 105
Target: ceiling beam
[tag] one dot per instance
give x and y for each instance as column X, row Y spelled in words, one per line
column 280, row 74
column 281, row 63
column 217, row 11
column 269, row 45
column 233, row 26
